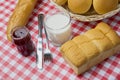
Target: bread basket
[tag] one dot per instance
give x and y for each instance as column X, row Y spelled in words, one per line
column 89, row 16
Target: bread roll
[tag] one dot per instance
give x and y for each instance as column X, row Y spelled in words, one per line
column 20, row 15
column 104, row 6
column 60, row 2
column 87, row 50
column 79, row 6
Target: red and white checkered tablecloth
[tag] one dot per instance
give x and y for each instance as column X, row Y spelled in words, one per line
column 13, row 66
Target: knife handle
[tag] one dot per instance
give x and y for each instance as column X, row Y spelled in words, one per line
column 39, row 55
column 40, row 23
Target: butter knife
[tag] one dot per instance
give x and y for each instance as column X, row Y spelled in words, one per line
column 39, row 55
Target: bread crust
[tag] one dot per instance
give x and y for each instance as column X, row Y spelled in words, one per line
column 91, row 48
column 104, row 6
column 79, row 6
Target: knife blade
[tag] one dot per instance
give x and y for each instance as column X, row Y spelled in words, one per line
column 39, row 55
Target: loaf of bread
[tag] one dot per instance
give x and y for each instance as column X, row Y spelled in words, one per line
column 92, row 47
column 20, row 15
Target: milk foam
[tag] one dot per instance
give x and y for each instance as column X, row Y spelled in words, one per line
column 57, row 21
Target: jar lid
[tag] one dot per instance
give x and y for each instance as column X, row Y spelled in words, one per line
column 20, row 35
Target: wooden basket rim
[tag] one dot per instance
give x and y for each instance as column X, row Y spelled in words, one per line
column 89, row 18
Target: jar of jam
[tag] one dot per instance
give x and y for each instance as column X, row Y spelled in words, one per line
column 22, row 39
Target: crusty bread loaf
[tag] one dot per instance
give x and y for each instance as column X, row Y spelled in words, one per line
column 89, row 49
column 20, row 15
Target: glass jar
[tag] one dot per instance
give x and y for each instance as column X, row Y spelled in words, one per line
column 58, row 27
column 22, row 39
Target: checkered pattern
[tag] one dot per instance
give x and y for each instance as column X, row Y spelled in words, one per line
column 13, row 66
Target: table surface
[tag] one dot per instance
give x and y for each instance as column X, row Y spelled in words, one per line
column 13, row 66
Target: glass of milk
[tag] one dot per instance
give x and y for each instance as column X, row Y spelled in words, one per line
column 58, row 27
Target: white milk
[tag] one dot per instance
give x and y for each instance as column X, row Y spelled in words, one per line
column 58, row 28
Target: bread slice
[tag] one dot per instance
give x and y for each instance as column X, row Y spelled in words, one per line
column 87, row 50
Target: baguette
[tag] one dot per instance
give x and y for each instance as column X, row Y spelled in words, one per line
column 20, row 15
column 87, row 50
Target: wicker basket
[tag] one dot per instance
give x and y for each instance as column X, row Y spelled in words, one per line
column 90, row 15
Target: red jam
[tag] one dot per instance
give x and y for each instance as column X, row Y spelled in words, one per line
column 22, row 38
